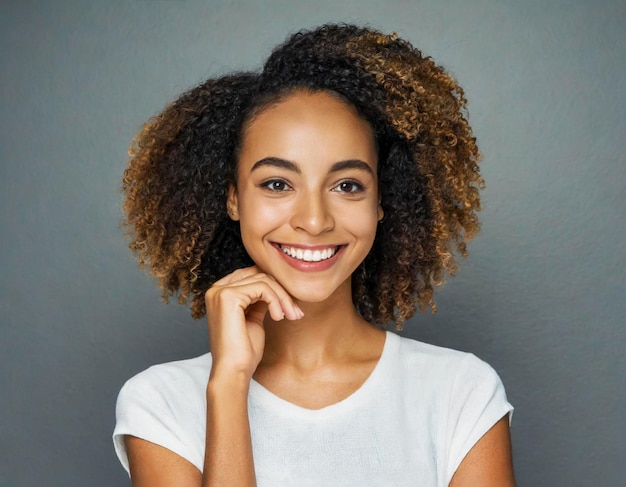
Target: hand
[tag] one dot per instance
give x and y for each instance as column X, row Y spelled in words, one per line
column 236, row 307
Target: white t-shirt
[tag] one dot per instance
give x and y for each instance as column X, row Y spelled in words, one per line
column 410, row 423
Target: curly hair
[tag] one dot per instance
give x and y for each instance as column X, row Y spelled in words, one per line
column 184, row 160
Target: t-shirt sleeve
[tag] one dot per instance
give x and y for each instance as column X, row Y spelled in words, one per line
column 147, row 409
column 477, row 402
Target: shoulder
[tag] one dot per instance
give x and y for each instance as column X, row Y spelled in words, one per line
column 459, row 383
column 179, row 375
column 165, row 389
column 166, row 405
column 416, row 357
column 465, row 395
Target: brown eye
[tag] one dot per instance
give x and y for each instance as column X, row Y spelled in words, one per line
column 276, row 185
column 349, row 187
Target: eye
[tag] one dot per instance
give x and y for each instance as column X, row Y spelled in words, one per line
column 276, row 185
column 349, row 187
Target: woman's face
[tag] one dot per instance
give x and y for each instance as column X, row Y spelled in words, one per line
column 307, row 193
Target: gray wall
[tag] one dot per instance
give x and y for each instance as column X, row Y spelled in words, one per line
column 541, row 296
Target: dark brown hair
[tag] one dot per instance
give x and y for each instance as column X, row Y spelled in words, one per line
column 184, row 159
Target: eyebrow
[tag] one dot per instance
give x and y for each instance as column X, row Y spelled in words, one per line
column 292, row 166
column 276, row 162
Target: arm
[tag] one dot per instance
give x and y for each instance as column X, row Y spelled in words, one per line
column 236, row 308
column 228, row 454
column 152, row 465
column 228, row 458
column 489, row 463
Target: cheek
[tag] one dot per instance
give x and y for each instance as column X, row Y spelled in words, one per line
column 362, row 224
column 261, row 214
column 257, row 219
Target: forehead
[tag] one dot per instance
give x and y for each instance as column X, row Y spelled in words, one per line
column 308, row 126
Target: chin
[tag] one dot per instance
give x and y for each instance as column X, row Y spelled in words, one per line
column 308, row 292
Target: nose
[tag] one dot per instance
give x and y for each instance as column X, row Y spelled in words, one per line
column 312, row 214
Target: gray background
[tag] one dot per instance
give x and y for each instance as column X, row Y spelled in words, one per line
column 541, row 297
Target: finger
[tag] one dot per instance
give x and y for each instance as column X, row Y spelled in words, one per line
column 244, row 294
column 242, row 276
column 260, row 290
column 289, row 308
column 237, row 275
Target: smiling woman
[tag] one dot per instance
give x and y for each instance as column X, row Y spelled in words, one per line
column 306, row 186
column 303, row 209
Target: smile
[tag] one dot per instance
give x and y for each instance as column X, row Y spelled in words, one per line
column 308, row 255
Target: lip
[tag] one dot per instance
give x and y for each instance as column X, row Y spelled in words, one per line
column 304, row 266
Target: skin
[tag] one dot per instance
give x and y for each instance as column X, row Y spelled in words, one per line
column 306, row 180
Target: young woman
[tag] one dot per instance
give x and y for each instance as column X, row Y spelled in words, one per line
column 303, row 209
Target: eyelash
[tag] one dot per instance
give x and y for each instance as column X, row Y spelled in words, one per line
column 268, row 185
column 356, row 187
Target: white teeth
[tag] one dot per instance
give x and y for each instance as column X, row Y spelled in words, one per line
column 309, row 255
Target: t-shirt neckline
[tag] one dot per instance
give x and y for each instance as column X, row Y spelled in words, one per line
column 263, row 397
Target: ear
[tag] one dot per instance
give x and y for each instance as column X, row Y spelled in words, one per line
column 381, row 213
column 232, row 203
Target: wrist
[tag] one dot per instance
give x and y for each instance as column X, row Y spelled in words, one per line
column 228, row 383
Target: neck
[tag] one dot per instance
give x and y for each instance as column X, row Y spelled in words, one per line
column 330, row 331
